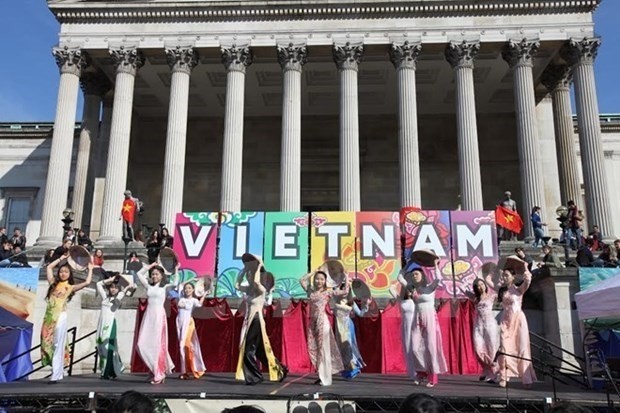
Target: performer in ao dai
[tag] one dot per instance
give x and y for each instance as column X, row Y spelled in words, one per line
column 192, row 365
column 486, row 330
column 344, row 308
column 111, row 295
column 407, row 313
column 322, row 346
column 153, row 336
column 515, row 335
column 61, row 289
column 255, row 346
column 426, row 334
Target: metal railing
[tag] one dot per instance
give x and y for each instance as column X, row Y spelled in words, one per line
column 72, row 361
column 548, row 359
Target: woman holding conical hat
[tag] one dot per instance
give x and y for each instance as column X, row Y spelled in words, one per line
column 255, row 345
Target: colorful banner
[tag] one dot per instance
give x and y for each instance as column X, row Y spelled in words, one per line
column 474, row 248
column 333, row 237
column 378, row 250
column 240, row 232
column 196, row 244
column 286, row 251
column 429, row 230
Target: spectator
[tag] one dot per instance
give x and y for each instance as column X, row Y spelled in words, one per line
column 617, row 247
column 521, row 254
column 84, row 240
column 18, row 239
column 244, row 409
column 575, row 217
column 584, row 256
column 19, row 258
column 132, row 402
column 167, row 240
column 6, row 252
column 152, row 246
column 607, row 258
column 3, row 236
column 69, row 234
column 549, row 260
column 595, row 238
column 537, row 225
column 140, row 236
column 421, row 403
column 62, row 250
column 98, row 258
column 47, row 258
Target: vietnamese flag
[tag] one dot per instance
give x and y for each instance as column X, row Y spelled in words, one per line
column 508, row 219
column 129, row 210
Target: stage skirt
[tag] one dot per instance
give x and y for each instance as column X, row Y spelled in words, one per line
column 322, row 346
column 426, row 341
column 110, row 362
column 54, row 349
column 407, row 311
column 347, row 342
column 486, row 336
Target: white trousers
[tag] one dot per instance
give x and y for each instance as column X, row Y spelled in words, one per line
column 60, row 340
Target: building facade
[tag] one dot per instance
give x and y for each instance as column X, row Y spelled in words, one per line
column 374, row 105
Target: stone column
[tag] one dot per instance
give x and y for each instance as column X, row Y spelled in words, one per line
column 461, row 57
column 556, row 79
column 127, row 60
column 100, row 161
column 94, row 85
column 292, row 57
column 71, row 62
column 580, row 54
column 519, row 56
column 181, row 61
column 347, row 57
column 236, row 59
column 404, row 56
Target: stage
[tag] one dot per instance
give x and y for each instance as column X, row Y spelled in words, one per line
column 369, row 392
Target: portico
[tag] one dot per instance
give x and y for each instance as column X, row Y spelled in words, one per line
column 374, row 107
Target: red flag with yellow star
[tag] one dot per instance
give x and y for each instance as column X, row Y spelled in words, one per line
column 129, row 210
column 508, row 219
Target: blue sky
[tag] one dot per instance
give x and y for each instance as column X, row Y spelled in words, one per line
column 29, row 76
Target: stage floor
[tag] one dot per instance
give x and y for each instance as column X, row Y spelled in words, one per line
column 364, row 387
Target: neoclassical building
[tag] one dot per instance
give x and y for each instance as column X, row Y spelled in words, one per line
column 299, row 105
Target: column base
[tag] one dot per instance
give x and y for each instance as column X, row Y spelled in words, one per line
column 47, row 241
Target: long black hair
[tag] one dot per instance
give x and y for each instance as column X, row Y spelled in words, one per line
column 476, row 289
column 164, row 277
column 53, row 285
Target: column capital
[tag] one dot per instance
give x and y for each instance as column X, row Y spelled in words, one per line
column 292, row 56
column 95, row 83
column 556, row 77
column 462, row 54
column 127, row 59
column 70, row 60
column 580, row 50
column 348, row 55
column 182, row 58
column 520, row 52
column 237, row 57
column 405, row 55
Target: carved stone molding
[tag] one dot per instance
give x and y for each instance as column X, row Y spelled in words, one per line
column 127, row 59
column 348, row 55
column 70, row 60
column 292, row 56
column 95, row 83
column 556, row 77
column 405, row 55
column 580, row 50
column 462, row 54
column 182, row 59
column 237, row 58
column 517, row 53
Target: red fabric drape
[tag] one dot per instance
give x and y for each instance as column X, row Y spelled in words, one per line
column 393, row 359
column 378, row 335
column 294, row 342
column 456, row 322
column 368, row 334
